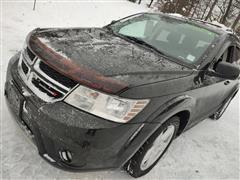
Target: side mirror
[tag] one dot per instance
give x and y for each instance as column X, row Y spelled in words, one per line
column 226, row 70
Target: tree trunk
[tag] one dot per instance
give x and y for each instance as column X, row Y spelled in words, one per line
column 176, row 6
column 190, row 8
column 195, row 9
column 211, row 9
column 224, row 17
column 150, row 3
column 34, row 5
column 236, row 21
column 219, row 16
column 168, row 7
column 205, row 10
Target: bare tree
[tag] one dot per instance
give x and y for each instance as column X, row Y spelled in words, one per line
column 236, row 21
column 226, row 11
column 205, row 9
column 34, row 4
column 222, row 7
column 211, row 9
column 238, row 30
column 224, row 17
column 150, row 3
column 195, row 8
column 183, row 7
column 191, row 6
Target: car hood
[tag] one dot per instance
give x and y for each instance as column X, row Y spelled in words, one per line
column 100, row 59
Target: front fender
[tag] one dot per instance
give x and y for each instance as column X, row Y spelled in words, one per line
column 173, row 106
column 146, row 129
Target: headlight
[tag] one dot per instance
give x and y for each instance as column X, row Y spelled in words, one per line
column 106, row 106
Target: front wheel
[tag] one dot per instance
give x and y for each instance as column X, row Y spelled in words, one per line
column 153, row 149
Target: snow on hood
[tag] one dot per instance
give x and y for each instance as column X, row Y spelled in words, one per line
column 95, row 57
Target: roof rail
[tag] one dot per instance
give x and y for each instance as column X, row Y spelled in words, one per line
column 215, row 24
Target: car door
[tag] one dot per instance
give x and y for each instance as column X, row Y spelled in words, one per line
column 212, row 90
column 230, row 55
column 232, row 85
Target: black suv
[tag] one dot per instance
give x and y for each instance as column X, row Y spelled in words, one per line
column 117, row 96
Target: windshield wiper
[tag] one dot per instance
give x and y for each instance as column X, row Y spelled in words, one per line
column 142, row 42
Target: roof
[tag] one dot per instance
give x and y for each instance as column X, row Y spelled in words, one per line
column 214, row 24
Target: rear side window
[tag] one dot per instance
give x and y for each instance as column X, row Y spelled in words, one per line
column 237, row 59
column 238, row 53
column 228, row 55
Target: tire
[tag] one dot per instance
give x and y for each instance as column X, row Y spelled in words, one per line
column 217, row 115
column 143, row 161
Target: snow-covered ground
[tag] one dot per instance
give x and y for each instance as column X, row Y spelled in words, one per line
column 210, row 150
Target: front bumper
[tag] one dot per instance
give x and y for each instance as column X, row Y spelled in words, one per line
column 94, row 143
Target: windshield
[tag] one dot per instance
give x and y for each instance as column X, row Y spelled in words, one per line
column 169, row 36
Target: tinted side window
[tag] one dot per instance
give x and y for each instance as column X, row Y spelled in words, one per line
column 227, row 56
column 237, row 56
column 238, row 53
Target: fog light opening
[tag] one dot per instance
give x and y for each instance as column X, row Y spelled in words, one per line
column 65, row 155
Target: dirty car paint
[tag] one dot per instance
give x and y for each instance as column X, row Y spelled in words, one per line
column 97, row 58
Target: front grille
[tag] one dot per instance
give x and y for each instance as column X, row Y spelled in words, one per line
column 30, row 54
column 44, row 81
column 42, row 86
column 24, row 67
column 57, row 76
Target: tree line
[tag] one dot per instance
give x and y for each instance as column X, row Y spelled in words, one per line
column 226, row 12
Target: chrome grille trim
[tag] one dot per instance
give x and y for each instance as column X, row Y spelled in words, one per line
column 25, row 56
column 37, row 68
column 34, row 72
column 35, row 90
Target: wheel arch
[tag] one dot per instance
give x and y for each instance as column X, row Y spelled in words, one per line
column 184, row 117
column 179, row 106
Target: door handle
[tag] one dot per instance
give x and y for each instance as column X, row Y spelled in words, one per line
column 226, row 82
